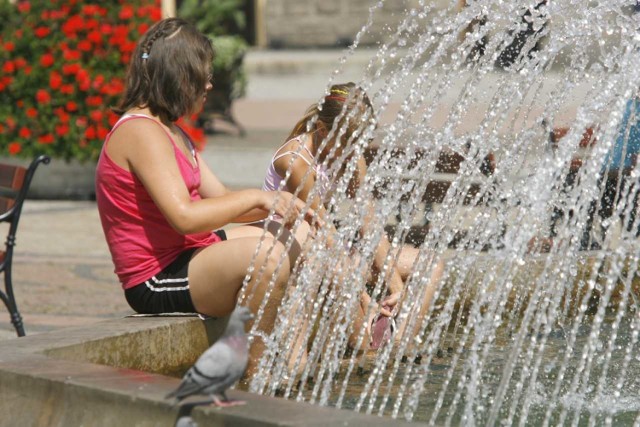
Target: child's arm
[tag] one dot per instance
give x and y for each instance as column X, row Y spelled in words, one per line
column 301, row 177
column 394, row 278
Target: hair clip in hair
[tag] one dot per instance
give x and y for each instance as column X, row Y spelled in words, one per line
column 340, row 91
column 145, row 55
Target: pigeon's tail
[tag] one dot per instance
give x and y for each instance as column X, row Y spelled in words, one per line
column 174, row 396
column 178, row 394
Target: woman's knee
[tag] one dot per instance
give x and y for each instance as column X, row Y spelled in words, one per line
column 273, row 255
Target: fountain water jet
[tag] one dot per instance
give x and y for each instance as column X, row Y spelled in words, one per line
column 513, row 335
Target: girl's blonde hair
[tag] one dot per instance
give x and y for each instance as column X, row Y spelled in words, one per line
column 339, row 104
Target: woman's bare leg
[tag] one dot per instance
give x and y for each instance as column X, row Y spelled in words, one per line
column 302, row 233
column 217, row 272
column 405, row 264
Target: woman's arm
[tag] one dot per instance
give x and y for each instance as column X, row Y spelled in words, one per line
column 301, row 177
column 394, row 279
column 211, row 186
column 149, row 154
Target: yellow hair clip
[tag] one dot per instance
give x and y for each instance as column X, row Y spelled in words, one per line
column 340, row 91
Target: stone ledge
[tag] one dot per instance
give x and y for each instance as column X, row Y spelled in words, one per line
column 51, row 379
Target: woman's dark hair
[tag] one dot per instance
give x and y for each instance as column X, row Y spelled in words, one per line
column 344, row 96
column 168, row 71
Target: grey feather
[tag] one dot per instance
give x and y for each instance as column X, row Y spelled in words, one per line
column 222, row 364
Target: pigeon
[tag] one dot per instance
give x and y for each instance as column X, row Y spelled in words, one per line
column 220, row 366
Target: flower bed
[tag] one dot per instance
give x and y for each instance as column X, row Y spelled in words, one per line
column 63, row 67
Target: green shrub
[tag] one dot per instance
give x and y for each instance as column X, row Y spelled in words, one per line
column 63, row 67
column 222, row 20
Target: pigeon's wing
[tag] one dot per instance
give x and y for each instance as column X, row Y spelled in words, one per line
column 223, row 366
column 210, row 374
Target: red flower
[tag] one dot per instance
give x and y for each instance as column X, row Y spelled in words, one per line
column 106, row 29
column 94, row 101
column 81, row 121
column 126, row 12
column 62, row 130
column 91, row 24
column 46, row 139
column 68, row 69
column 9, row 67
column 11, row 122
column 31, row 112
column 42, row 96
column 20, row 103
column 24, row 132
column 90, row 133
column 71, row 55
column 125, row 58
column 94, row 37
column 98, row 81
column 102, row 132
column 47, row 60
column 83, row 80
column 9, row 46
column 142, row 28
column 20, row 62
column 2, row 86
column 96, row 115
column 1, row 128
column 72, row 25
column 90, row 9
column 112, row 117
column 155, row 13
column 85, row 45
column 24, row 6
column 120, row 34
column 67, row 89
column 15, row 148
column 59, row 14
column 128, row 47
column 62, row 115
column 27, row 70
column 71, row 106
column 55, row 80
column 42, row 32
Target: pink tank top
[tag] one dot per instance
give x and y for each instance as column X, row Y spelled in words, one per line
column 140, row 239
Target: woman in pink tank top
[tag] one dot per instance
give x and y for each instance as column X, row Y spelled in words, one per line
column 159, row 202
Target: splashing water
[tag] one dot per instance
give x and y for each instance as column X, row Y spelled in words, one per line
column 495, row 157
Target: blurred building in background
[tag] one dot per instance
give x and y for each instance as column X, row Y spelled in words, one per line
column 280, row 24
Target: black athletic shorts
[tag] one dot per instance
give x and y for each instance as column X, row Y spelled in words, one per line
column 167, row 291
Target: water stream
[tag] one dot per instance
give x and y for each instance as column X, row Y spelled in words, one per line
column 534, row 319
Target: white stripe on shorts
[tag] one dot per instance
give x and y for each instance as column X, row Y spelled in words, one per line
column 163, row 289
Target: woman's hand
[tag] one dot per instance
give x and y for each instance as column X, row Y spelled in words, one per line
column 388, row 306
column 289, row 208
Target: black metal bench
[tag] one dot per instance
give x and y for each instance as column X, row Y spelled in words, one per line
column 14, row 185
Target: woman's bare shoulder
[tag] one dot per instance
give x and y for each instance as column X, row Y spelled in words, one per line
column 134, row 136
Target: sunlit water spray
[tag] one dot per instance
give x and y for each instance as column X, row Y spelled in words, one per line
column 531, row 322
